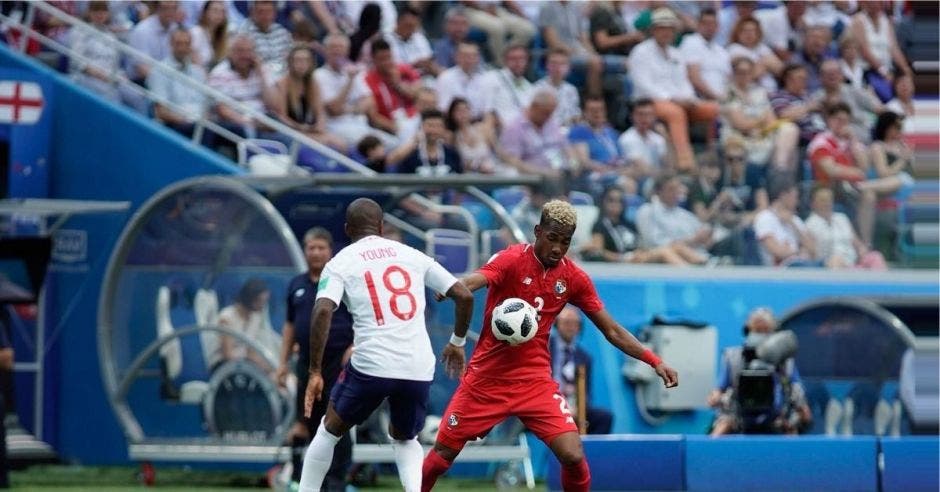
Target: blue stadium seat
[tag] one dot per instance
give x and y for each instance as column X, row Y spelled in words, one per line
column 451, row 248
column 580, row 198
column 509, row 197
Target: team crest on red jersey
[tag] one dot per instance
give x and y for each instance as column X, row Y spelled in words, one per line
column 560, row 287
column 452, row 420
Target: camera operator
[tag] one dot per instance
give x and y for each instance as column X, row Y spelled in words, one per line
column 759, row 389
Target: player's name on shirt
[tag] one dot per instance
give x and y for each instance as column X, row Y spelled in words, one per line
column 377, row 254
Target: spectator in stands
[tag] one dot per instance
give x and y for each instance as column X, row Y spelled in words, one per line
column 394, row 88
column 572, row 38
column 747, row 113
column 890, row 155
column 410, row 45
column 298, row 102
column 863, row 105
column 184, row 104
column 783, row 27
column 903, row 102
column 424, row 101
column 242, row 77
column 248, row 315
column 815, row 50
column 707, row 62
column 595, row 142
column 610, row 34
column 663, row 222
column 659, row 73
column 346, row 97
column 98, row 57
column 428, row 153
column 728, row 17
column 272, row 41
column 707, row 199
column 644, row 149
column 853, row 68
column 567, row 359
column 210, row 35
column 499, row 20
column 534, row 144
column 568, row 111
column 476, row 142
column 837, row 245
column 793, row 103
column 465, row 80
column 151, row 36
column 369, row 30
column 614, row 239
column 879, row 47
column 528, row 212
column 790, row 413
column 747, row 41
column 508, row 92
column 783, row 238
column 51, row 26
column 372, row 150
column 456, row 30
column 749, row 189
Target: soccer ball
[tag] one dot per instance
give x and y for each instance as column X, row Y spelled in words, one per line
column 514, row 321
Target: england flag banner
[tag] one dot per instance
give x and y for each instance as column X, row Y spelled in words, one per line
column 20, row 102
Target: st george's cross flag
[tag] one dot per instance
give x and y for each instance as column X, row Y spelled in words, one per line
column 20, row 102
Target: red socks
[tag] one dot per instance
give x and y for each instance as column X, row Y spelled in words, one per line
column 434, row 466
column 574, row 478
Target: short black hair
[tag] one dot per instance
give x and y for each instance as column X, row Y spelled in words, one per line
column 367, row 143
column 661, row 181
column 431, row 113
column 838, row 107
column 779, row 187
column 250, row 290
column 706, row 12
column 408, row 10
column 380, row 45
column 787, row 70
column 643, row 101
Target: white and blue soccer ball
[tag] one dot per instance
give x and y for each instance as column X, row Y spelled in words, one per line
column 514, row 321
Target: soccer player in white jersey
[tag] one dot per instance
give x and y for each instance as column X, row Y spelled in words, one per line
column 382, row 284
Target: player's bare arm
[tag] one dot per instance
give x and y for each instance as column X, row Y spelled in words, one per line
column 619, row 337
column 453, row 355
column 319, row 329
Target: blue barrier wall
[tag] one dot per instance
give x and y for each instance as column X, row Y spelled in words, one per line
column 100, row 151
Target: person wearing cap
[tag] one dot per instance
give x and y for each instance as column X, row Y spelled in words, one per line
column 659, row 73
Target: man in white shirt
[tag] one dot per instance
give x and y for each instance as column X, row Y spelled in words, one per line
column 663, row 222
column 410, row 45
column 659, row 73
column 465, row 80
column 783, row 27
column 152, row 37
column 184, row 103
column 568, row 112
column 645, row 150
column 784, row 239
column 707, row 62
column 345, row 95
column 382, row 283
column 272, row 40
column 242, row 77
column 508, row 92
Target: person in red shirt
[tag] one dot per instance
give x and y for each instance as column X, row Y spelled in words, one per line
column 841, row 162
column 394, row 88
column 503, row 380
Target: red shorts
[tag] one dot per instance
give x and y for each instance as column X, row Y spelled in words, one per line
column 479, row 404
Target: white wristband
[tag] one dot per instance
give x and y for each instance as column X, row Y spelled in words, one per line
column 457, row 341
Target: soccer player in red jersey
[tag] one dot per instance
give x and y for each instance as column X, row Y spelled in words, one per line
column 503, row 380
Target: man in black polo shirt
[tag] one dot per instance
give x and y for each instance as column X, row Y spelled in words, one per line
column 301, row 295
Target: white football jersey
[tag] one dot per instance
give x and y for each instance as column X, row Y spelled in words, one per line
column 382, row 283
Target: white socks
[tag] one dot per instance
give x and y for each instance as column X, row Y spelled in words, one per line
column 409, row 456
column 318, row 459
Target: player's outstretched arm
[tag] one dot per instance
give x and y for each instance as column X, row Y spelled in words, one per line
column 619, row 337
column 473, row 282
column 319, row 328
column 453, row 355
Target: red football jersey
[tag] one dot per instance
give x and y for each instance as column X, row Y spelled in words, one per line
column 516, row 272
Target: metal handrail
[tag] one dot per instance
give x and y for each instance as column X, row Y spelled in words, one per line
column 209, row 93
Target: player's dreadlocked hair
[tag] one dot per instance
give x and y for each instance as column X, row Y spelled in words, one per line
column 559, row 211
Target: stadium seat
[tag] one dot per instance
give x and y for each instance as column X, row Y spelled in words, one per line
column 451, row 248
column 183, row 367
column 265, row 157
column 492, row 242
column 509, row 197
column 580, row 198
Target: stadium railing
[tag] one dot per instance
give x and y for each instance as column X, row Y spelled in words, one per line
column 213, row 97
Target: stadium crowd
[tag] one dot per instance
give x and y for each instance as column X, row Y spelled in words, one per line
column 703, row 130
